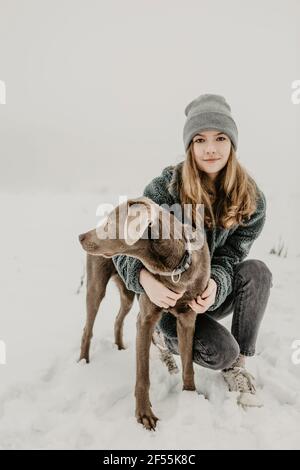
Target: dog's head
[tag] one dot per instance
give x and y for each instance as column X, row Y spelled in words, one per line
column 130, row 226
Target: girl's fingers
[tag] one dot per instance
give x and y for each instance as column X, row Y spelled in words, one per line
column 194, row 306
column 173, row 295
column 209, row 290
column 170, row 302
column 205, row 295
column 200, row 301
column 163, row 304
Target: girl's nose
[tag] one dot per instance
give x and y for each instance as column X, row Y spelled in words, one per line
column 210, row 147
column 210, row 150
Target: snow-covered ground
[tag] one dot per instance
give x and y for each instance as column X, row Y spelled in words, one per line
column 48, row 400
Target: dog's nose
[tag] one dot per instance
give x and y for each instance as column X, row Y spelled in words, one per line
column 81, row 237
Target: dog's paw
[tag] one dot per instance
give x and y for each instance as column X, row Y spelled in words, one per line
column 147, row 418
column 83, row 360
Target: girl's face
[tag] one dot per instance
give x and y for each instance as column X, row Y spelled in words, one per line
column 211, row 150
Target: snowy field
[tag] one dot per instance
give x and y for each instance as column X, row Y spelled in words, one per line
column 49, row 401
column 95, row 94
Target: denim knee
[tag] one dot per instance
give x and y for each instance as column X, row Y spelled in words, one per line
column 205, row 356
column 256, row 270
column 216, row 359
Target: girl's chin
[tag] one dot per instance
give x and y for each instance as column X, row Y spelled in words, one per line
column 211, row 170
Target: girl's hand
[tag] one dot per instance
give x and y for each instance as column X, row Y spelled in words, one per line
column 159, row 294
column 204, row 301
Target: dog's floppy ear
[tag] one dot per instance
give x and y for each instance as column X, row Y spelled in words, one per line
column 140, row 214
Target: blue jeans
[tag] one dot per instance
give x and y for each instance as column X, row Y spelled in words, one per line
column 214, row 346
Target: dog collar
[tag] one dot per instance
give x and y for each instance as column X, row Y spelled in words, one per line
column 184, row 263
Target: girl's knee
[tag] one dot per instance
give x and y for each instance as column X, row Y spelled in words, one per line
column 217, row 358
column 256, row 270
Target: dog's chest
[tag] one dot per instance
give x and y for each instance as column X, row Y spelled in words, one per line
column 181, row 305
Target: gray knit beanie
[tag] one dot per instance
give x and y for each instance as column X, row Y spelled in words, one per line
column 206, row 112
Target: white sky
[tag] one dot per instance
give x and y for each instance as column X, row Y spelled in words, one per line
column 96, row 92
column 102, row 85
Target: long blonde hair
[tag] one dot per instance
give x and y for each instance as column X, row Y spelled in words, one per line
column 228, row 202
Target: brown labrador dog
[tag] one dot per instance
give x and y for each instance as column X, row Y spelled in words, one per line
column 170, row 259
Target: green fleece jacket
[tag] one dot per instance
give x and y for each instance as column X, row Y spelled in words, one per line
column 228, row 247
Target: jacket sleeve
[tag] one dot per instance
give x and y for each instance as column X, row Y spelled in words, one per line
column 235, row 250
column 128, row 267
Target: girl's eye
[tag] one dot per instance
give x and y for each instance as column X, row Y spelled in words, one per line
column 202, row 140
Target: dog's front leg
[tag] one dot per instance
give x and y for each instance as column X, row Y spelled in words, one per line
column 185, row 333
column 147, row 318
